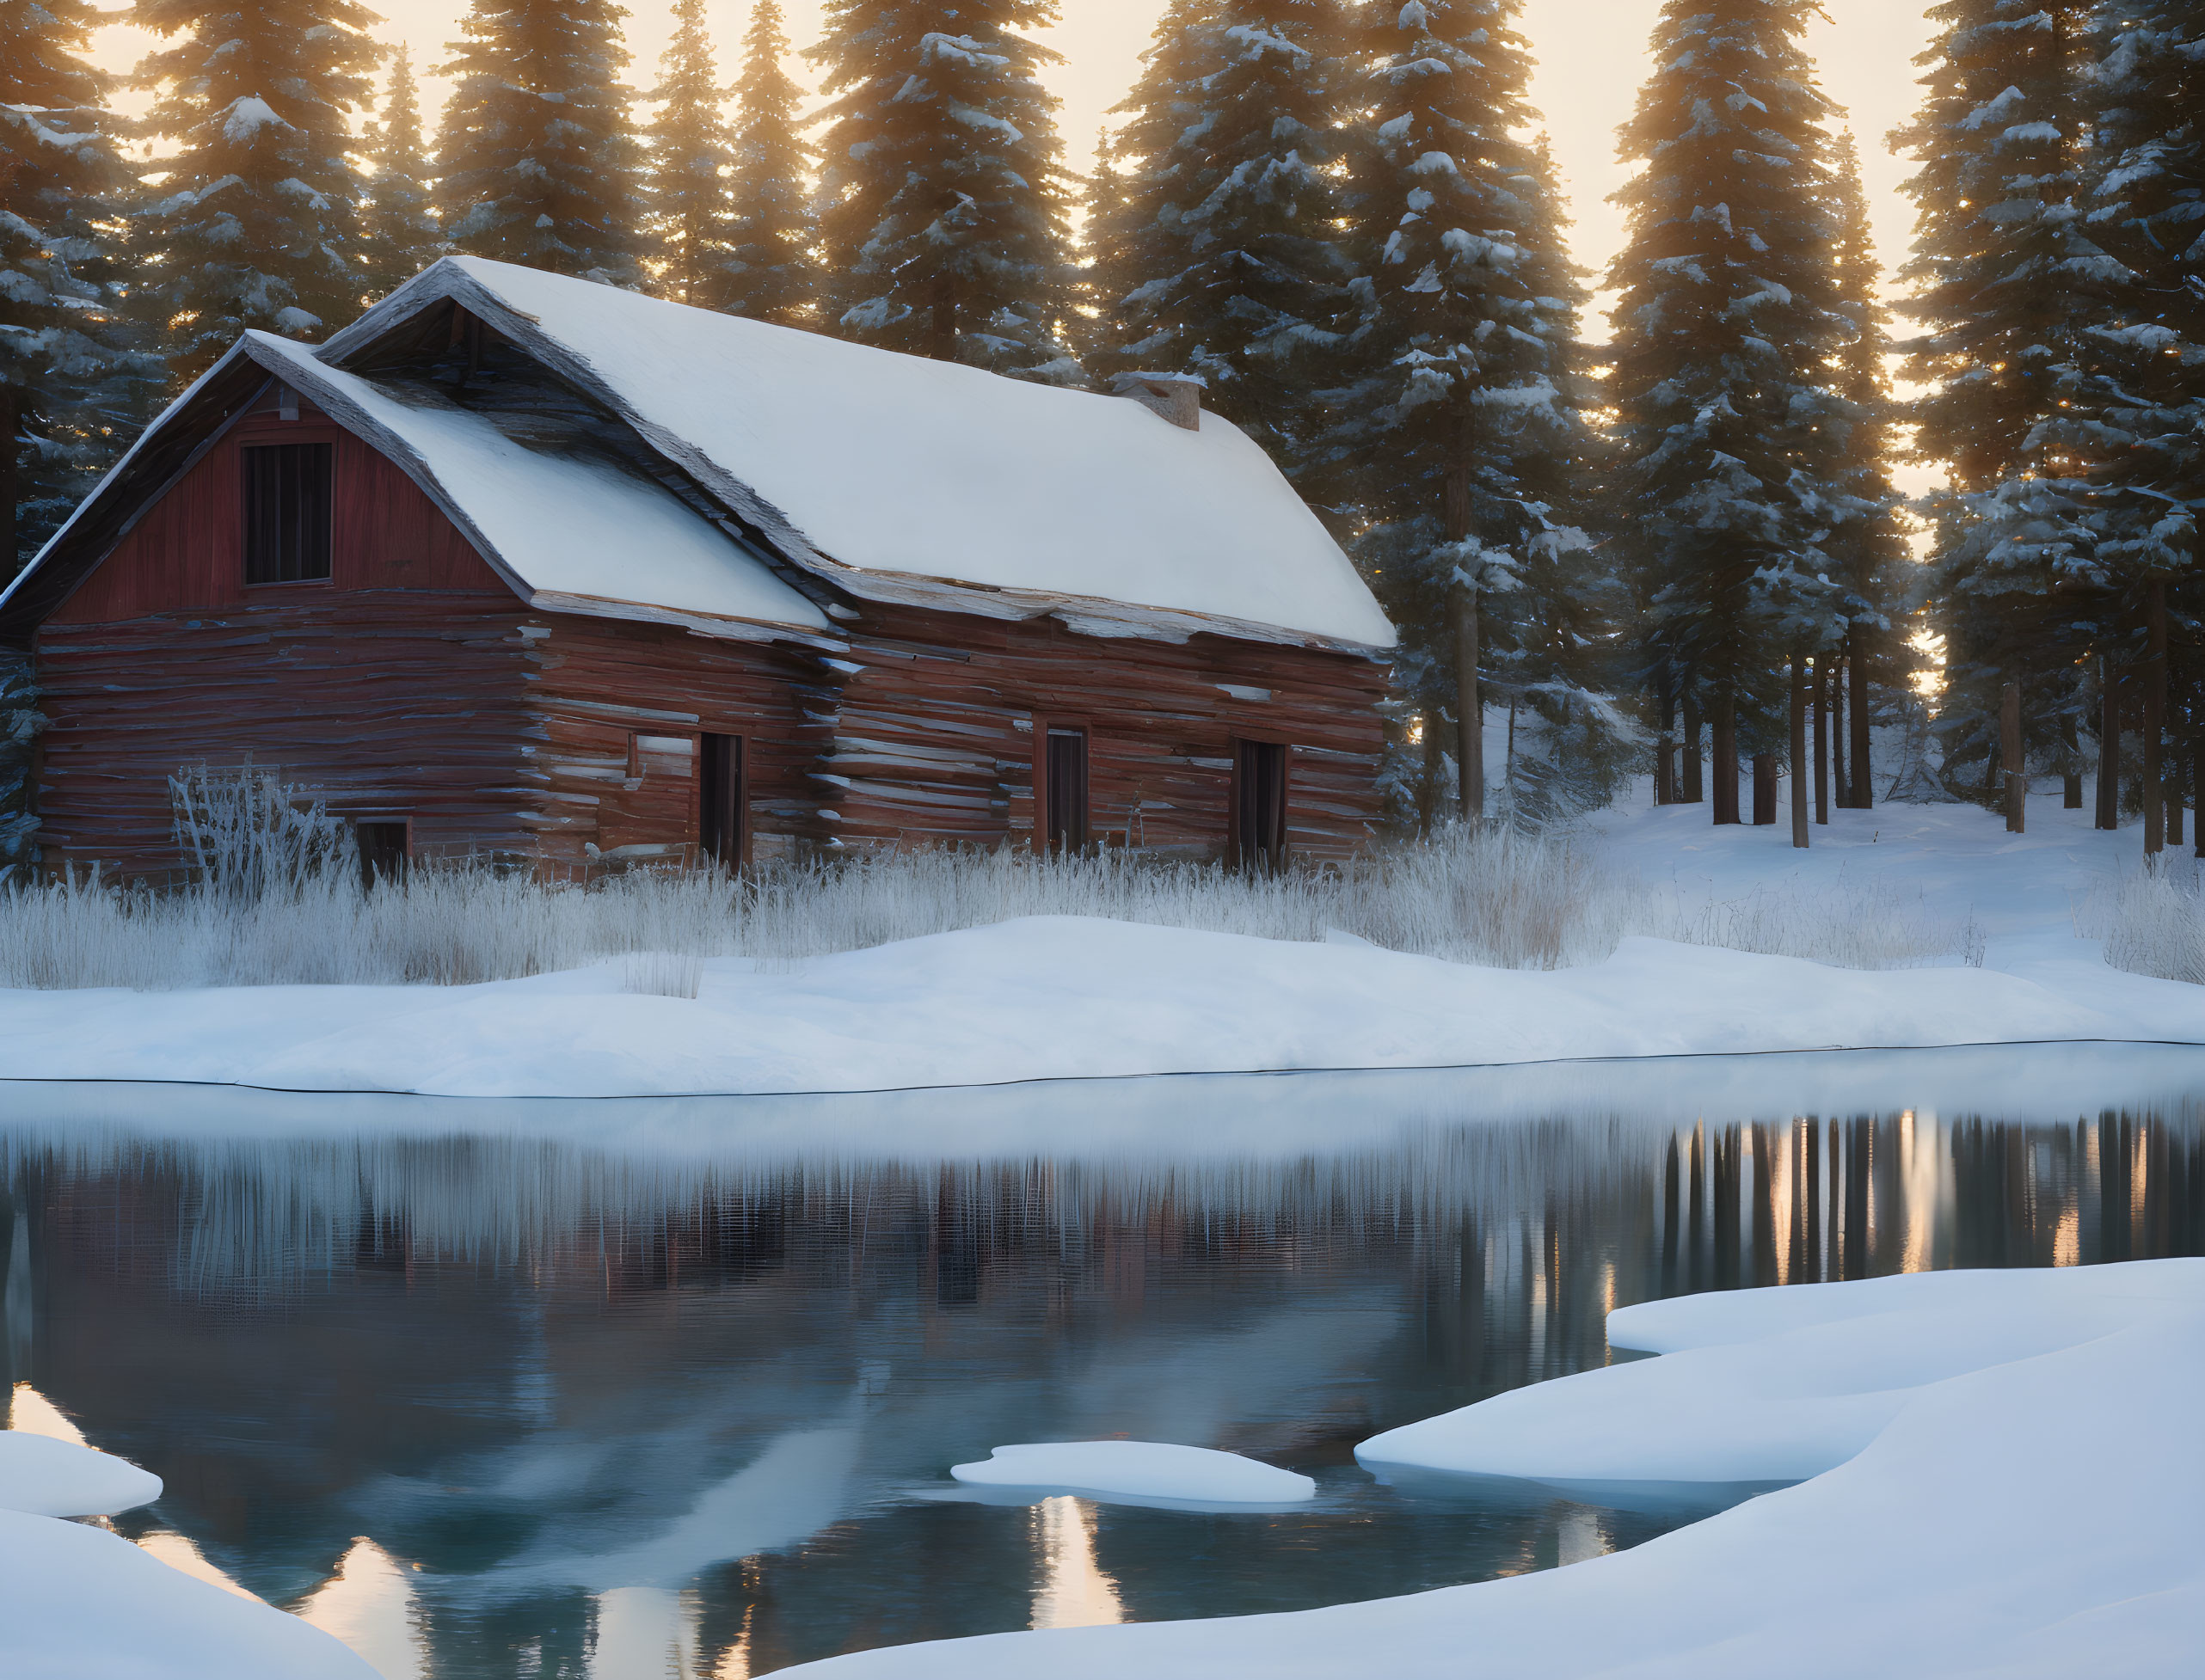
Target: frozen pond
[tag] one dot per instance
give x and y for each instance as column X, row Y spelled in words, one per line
column 654, row 1389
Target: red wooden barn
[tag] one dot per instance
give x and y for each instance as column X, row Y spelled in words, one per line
column 521, row 564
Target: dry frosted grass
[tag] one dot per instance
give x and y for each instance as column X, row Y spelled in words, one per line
column 1500, row 899
column 2152, row 922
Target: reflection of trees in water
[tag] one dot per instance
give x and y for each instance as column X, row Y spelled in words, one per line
column 509, row 1361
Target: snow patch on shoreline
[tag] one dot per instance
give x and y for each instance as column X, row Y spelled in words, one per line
column 2025, row 1506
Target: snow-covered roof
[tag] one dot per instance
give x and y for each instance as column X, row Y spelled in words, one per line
column 902, row 478
column 570, row 533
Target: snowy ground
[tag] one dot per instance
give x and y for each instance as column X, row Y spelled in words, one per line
column 2003, row 1473
column 1077, row 998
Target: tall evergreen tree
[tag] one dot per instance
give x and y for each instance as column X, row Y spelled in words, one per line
column 1233, row 272
column 1725, row 329
column 2004, row 272
column 74, row 381
column 2144, row 404
column 687, row 227
column 771, row 273
column 535, row 162
column 943, row 188
column 256, row 222
column 1865, row 545
column 1461, row 425
column 1102, row 237
column 399, row 229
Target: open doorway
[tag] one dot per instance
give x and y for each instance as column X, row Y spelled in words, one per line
column 720, row 803
column 1259, row 805
column 1064, row 792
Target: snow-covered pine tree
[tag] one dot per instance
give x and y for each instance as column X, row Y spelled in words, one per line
column 1724, row 332
column 399, row 229
column 1459, row 429
column 943, row 188
column 1233, row 270
column 2146, row 405
column 686, row 226
column 535, row 160
column 75, row 378
column 1101, row 248
column 1866, row 547
column 771, row 271
column 2004, row 273
column 255, row 221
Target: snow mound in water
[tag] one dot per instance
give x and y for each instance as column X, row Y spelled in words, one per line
column 51, row 1478
column 1141, row 1470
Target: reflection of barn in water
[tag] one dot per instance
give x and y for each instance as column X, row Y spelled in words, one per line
column 504, row 1360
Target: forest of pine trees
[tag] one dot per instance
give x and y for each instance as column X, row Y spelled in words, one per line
column 1678, row 551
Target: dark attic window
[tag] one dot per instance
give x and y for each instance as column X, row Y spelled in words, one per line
column 287, row 511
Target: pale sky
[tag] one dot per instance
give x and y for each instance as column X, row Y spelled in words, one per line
column 1591, row 56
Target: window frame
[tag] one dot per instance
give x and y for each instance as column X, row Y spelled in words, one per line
column 324, row 436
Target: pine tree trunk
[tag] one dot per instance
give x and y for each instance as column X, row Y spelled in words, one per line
column 1725, row 755
column 2197, row 791
column 1665, row 758
column 1798, row 758
column 1469, row 704
column 11, row 481
column 1428, row 796
column 1765, row 790
column 2071, row 746
column 2155, row 719
column 2108, row 746
column 1863, row 783
column 2174, row 797
column 1470, row 708
column 2009, row 757
column 1695, row 783
column 1821, row 740
column 1843, row 788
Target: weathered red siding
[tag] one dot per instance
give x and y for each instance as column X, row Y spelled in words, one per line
column 188, row 549
column 605, row 691
column 395, row 704
column 938, row 731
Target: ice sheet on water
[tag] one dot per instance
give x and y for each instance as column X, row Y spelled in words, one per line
column 1138, row 1470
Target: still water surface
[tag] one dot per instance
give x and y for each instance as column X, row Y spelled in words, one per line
column 585, row 1405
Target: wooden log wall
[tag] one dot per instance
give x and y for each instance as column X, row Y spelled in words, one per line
column 394, row 704
column 936, row 741
column 398, row 687
column 622, row 706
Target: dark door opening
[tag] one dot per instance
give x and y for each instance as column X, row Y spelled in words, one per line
column 719, row 800
column 1064, row 790
column 1260, row 804
column 381, row 851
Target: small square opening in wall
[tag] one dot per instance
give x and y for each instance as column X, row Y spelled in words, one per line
column 382, row 851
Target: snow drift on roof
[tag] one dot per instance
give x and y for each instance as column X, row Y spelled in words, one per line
column 571, row 531
column 906, row 469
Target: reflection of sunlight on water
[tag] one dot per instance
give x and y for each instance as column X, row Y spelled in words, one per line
column 369, row 1604
column 34, row 1414
column 1074, row 1591
column 177, row 1551
column 1582, row 1537
column 646, row 1632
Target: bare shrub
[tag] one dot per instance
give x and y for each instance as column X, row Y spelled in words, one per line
column 251, row 838
column 2152, row 922
column 1499, row 899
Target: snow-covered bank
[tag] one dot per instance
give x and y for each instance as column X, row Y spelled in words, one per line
column 2018, row 1500
column 1052, row 997
column 80, row 1604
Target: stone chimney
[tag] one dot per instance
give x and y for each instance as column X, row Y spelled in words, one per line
column 1177, row 396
